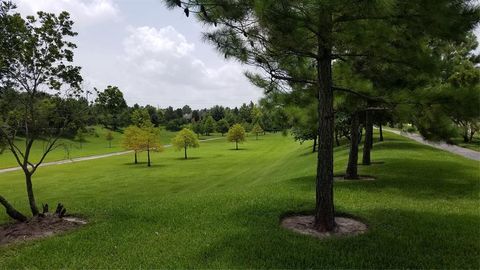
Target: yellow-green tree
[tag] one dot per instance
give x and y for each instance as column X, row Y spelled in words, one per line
column 132, row 140
column 236, row 134
column 150, row 141
column 257, row 129
column 185, row 139
column 109, row 137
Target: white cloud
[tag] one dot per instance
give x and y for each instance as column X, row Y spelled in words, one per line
column 83, row 12
column 160, row 66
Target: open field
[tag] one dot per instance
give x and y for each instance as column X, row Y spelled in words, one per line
column 94, row 145
column 221, row 209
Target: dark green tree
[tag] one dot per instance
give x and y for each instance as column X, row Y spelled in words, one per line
column 36, row 53
column 113, row 107
column 223, row 126
column 275, row 34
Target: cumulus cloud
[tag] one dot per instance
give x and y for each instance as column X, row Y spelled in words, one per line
column 83, row 12
column 160, row 66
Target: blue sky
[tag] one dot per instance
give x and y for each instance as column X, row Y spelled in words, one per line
column 154, row 55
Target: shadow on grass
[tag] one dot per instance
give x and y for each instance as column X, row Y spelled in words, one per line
column 189, row 158
column 397, row 238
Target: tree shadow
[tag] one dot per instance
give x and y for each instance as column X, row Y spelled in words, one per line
column 396, row 238
column 189, row 158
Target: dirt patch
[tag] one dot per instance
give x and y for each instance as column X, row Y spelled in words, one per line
column 38, row 227
column 360, row 178
column 345, row 226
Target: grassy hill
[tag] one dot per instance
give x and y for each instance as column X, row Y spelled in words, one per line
column 95, row 144
column 221, row 209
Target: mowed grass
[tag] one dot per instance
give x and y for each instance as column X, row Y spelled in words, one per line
column 221, row 209
column 95, row 144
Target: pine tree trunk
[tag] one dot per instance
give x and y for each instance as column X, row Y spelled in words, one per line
column 31, row 196
column 352, row 167
column 314, row 145
column 12, row 212
column 324, row 210
column 136, row 160
column 381, row 132
column 367, row 144
column 148, row 157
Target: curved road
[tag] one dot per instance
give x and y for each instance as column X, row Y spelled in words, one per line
column 73, row 160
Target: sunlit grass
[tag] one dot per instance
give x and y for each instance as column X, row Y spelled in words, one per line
column 221, row 209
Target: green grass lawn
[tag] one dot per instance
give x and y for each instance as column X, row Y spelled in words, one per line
column 95, row 144
column 221, row 209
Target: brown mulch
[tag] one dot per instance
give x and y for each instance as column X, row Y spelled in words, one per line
column 38, row 227
column 303, row 224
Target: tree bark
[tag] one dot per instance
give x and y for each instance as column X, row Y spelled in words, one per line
column 381, row 132
column 12, row 212
column 472, row 133
column 352, row 167
column 148, row 157
column 324, row 210
column 236, row 145
column 31, row 196
column 314, row 144
column 336, row 139
column 367, row 144
column 136, row 160
column 185, row 152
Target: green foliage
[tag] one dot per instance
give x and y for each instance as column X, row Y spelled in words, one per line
column 175, row 124
column 141, row 118
column 223, row 126
column 112, row 106
column 236, row 134
column 209, row 125
column 257, row 129
column 185, row 139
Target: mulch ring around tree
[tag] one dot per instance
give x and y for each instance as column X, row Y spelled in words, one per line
column 38, row 227
column 303, row 224
column 341, row 177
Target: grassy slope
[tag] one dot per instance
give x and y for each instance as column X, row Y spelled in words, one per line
column 71, row 149
column 222, row 209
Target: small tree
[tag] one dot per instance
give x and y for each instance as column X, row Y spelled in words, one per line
column 185, row 139
column 209, row 125
column 236, row 134
column 109, row 137
column 36, row 53
column 223, row 126
column 132, row 140
column 81, row 136
column 198, row 128
column 150, row 141
column 257, row 129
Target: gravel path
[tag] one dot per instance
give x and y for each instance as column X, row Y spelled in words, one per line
column 470, row 154
column 73, row 160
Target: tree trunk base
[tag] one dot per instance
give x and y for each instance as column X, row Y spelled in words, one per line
column 305, row 225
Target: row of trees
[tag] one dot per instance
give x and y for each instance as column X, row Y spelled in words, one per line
column 392, row 50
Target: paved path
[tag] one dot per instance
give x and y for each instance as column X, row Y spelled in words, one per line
column 471, row 154
column 73, row 160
